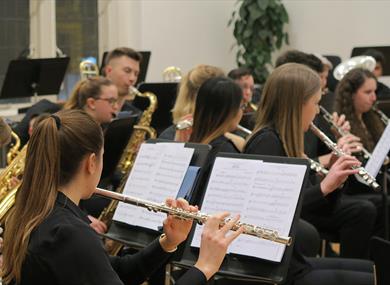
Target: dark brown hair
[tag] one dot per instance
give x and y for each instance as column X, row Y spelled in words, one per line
column 123, row 51
column 345, row 91
column 56, row 149
column 217, row 103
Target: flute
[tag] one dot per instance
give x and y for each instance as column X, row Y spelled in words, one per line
column 363, row 174
column 199, row 217
column 328, row 117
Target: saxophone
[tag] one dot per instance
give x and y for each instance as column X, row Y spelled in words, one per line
column 127, row 159
column 13, row 151
column 8, row 187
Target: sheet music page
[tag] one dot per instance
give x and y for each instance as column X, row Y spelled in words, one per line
column 381, row 150
column 264, row 194
column 157, row 174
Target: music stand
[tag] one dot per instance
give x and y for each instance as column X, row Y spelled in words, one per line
column 139, row 237
column 166, row 97
column 34, row 77
column 245, row 267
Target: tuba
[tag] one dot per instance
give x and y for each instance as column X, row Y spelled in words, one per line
column 129, row 154
column 362, row 61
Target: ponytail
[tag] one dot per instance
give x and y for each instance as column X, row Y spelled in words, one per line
column 56, row 148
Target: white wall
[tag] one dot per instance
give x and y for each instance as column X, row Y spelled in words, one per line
column 186, row 33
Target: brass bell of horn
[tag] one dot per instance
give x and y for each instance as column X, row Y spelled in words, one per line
column 362, row 61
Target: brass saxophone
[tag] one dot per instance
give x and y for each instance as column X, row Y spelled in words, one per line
column 14, row 150
column 8, row 186
column 127, row 159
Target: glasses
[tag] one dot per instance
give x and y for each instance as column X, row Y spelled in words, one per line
column 111, row 101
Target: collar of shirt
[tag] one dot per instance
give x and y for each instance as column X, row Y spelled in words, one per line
column 64, row 202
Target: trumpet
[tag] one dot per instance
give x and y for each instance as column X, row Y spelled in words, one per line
column 328, row 117
column 363, row 174
column 381, row 115
column 199, row 217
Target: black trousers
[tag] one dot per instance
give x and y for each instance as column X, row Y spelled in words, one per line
column 352, row 220
column 330, row 271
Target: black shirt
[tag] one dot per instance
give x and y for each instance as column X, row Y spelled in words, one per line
column 64, row 249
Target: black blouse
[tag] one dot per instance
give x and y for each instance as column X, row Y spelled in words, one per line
column 64, row 249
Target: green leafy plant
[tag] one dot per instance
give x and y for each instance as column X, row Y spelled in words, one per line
column 259, row 31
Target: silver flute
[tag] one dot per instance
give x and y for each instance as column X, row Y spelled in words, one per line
column 328, row 117
column 363, row 174
column 381, row 115
column 317, row 167
column 199, row 217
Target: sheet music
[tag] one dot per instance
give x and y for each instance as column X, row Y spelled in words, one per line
column 381, row 150
column 264, row 194
column 158, row 173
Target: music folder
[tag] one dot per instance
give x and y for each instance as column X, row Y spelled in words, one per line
column 29, row 77
column 136, row 236
column 274, row 201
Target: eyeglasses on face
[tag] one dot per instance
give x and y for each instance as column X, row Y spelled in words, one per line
column 111, row 101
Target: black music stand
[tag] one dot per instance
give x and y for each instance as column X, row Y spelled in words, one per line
column 139, row 237
column 238, row 267
column 166, row 97
column 34, row 77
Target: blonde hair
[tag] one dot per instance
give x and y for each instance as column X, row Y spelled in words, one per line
column 284, row 94
column 188, row 89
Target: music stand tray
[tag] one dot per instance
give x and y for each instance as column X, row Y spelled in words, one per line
column 29, row 77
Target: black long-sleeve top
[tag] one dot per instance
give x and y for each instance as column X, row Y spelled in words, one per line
column 64, row 249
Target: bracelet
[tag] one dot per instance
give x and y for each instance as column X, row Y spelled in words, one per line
column 168, row 251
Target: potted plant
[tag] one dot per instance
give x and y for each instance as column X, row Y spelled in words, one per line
column 259, row 31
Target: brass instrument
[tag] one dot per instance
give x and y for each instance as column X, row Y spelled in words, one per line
column 7, row 184
column 172, row 74
column 129, row 154
column 362, row 61
column 88, row 69
column 382, row 116
column 328, row 117
column 363, row 174
column 14, row 150
column 199, row 217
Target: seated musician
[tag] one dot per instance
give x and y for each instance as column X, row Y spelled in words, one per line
column 122, row 67
column 97, row 96
column 184, row 106
column 382, row 90
column 314, row 148
column 218, row 110
column 48, row 237
column 243, row 77
column 288, row 105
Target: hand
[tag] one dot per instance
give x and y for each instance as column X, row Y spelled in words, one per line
column 214, row 243
column 341, row 122
column 176, row 230
column 97, row 225
column 350, row 144
column 338, row 173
